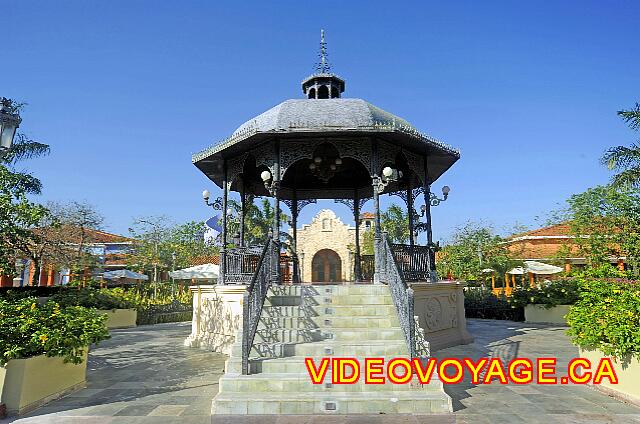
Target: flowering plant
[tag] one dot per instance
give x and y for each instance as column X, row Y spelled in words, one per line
column 30, row 329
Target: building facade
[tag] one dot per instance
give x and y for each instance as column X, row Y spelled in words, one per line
column 553, row 244
column 110, row 251
column 326, row 247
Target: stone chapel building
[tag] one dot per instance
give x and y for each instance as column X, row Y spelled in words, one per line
column 326, row 247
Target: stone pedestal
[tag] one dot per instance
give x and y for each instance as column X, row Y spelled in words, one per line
column 217, row 316
column 440, row 309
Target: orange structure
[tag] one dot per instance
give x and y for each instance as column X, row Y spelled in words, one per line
column 110, row 249
column 552, row 244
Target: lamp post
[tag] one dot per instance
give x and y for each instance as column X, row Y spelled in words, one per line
column 9, row 123
column 425, row 211
column 379, row 184
column 220, row 204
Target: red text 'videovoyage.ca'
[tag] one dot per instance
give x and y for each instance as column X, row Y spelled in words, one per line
column 346, row 370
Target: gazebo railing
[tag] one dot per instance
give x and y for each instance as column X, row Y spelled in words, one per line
column 242, row 263
column 254, row 297
column 413, row 261
column 401, row 294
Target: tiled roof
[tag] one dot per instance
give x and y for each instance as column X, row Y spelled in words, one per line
column 367, row 215
column 299, row 115
column 544, row 249
column 72, row 235
column 550, row 231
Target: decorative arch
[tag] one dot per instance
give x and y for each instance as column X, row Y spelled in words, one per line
column 294, row 151
column 326, row 266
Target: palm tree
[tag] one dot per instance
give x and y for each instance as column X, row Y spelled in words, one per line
column 626, row 160
column 23, row 148
column 258, row 222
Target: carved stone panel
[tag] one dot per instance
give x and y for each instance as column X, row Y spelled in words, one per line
column 440, row 312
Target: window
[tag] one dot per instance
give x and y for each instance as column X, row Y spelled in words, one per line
column 326, row 224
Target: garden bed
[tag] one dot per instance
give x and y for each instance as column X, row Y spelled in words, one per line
column 627, row 371
column 120, row 318
column 539, row 314
column 26, row 384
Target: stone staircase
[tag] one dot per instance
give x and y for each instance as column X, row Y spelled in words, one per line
column 358, row 321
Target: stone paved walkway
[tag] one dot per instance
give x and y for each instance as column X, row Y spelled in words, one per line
column 144, row 375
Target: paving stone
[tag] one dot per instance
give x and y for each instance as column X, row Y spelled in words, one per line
column 145, row 369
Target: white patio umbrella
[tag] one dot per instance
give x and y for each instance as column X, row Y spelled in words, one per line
column 198, row 272
column 542, row 268
column 535, row 267
column 124, row 273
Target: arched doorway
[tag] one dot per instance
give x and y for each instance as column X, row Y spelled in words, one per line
column 326, row 266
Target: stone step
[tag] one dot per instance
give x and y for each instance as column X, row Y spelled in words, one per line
column 328, row 299
column 407, row 402
column 340, row 334
column 287, row 335
column 315, row 290
column 292, row 364
column 334, row 310
column 328, row 321
column 353, row 348
column 357, row 349
column 288, row 383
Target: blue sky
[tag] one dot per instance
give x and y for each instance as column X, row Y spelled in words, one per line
column 125, row 92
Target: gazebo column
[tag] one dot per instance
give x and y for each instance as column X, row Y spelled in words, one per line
column 377, row 234
column 294, row 223
column 223, row 250
column 356, row 216
column 427, row 203
column 243, row 212
column 275, row 192
column 410, row 212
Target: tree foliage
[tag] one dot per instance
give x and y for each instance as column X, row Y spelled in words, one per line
column 18, row 217
column 625, row 161
column 23, row 148
column 395, row 222
column 605, row 223
column 475, row 247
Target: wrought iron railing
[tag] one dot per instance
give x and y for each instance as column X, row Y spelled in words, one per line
column 242, row 263
column 401, row 293
column 413, row 261
column 265, row 273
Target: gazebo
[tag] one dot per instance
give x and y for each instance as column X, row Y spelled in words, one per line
column 324, row 146
column 327, row 147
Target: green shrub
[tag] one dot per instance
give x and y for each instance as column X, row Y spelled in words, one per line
column 151, row 309
column 607, row 316
column 485, row 304
column 90, row 297
column 561, row 292
column 31, row 329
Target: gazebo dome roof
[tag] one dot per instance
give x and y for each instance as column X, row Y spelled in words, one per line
column 334, row 114
column 345, row 128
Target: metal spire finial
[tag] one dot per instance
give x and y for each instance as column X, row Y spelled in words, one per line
column 323, row 66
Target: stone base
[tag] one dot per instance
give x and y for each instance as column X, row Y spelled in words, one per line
column 217, row 316
column 440, row 311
